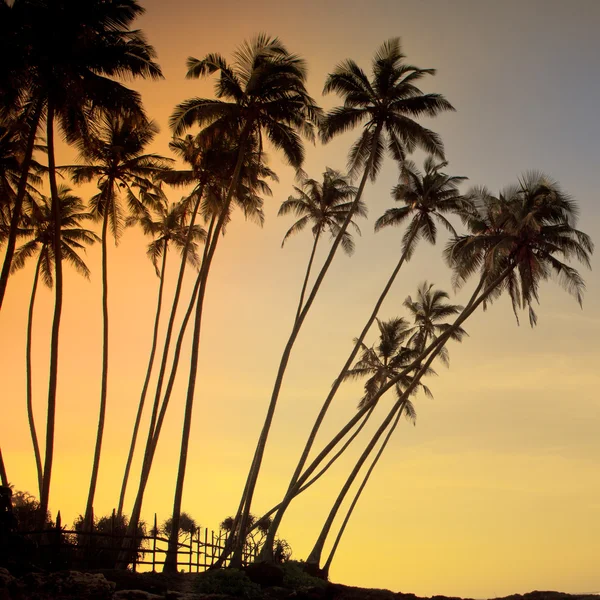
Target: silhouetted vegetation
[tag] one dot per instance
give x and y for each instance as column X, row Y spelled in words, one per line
column 63, row 63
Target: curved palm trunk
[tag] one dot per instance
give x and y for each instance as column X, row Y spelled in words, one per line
column 307, row 276
column 103, row 390
column 123, row 558
column 267, row 551
column 155, row 425
column 327, row 565
column 432, row 350
column 260, row 448
column 3, row 476
column 21, row 191
column 32, row 431
column 171, row 323
column 53, row 379
column 170, row 565
column 140, row 410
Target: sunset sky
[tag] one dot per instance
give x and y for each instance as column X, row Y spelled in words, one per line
column 497, row 488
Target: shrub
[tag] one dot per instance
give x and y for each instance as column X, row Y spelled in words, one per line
column 294, row 576
column 231, row 582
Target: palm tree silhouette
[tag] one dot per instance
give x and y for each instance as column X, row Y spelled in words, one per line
column 114, row 157
column 427, row 312
column 68, row 53
column 427, row 197
column 264, row 92
column 324, row 205
column 170, row 226
column 63, row 56
column 386, row 105
column 40, row 226
column 516, row 241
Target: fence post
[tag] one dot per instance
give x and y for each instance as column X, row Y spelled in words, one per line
column 134, row 548
column 198, row 550
column 154, row 534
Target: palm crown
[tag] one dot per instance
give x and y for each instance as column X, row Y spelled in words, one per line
column 429, row 310
column 427, row 198
column 324, row 205
column 388, row 104
column 525, row 234
column 41, row 228
column 115, row 158
column 262, row 91
column 170, row 227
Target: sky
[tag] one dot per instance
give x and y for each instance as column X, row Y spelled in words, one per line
column 496, row 488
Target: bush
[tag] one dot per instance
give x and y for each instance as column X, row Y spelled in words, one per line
column 294, row 576
column 231, row 582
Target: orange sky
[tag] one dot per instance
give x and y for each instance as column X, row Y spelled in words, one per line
column 496, row 490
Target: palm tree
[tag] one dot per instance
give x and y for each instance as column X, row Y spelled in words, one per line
column 218, row 164
column 63, row 56
column 381, row 363
column 326, row 205
column 427, row 312
column 517, row 240
column 264, row 92
column 170, row 227
column 73, row 238
column 387, row 105
column 427, row 198
column 114, row 156
column 69, row 51
column 247, row 195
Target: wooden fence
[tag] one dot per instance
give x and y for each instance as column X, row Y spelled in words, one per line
column 197, row 551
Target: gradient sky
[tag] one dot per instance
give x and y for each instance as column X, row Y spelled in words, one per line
column 496, row 490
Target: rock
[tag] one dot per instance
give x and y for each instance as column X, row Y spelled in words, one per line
column 66, row 585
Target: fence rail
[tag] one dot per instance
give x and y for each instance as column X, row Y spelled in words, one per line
column 197, row 551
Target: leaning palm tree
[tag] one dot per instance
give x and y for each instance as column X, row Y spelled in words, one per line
column 69, row 52
column 426, row 198
column 114, row 156
column 170, row 227
column 386, row 106
column 218, row 164
column 40, row 227
column 261, row 92
column 247, row 195
column 325, row 206
column 428, row 312
column 517, row 240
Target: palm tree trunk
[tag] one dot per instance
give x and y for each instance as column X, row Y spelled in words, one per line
column 267, row 549
column 262, row 441
column 155, row 426
column 32, row 431
column 3, row 476
column 123, row 558
column 104, row 382
column 21, row 191
column 53, row 379
column 327, row 565
column 140, row 410
column 171, row 323
column 306, row 277
column 434, row 347
column 170, row 565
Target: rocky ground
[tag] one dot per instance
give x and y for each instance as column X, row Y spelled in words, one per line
column 120, row 585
